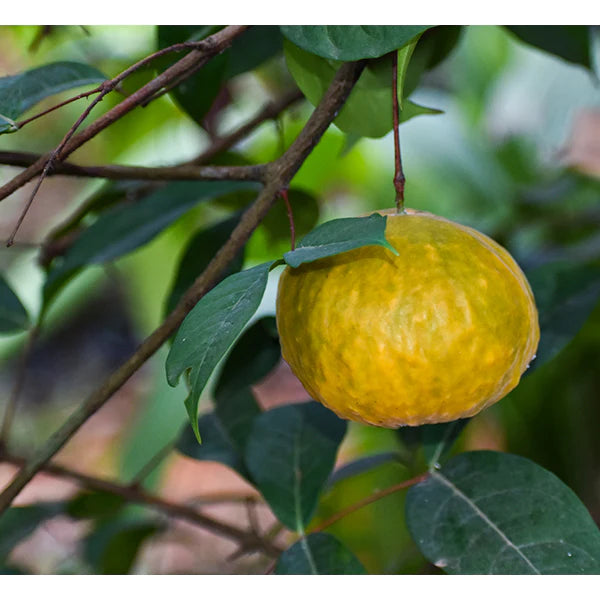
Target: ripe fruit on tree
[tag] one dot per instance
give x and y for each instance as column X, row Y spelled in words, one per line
column 437, row 333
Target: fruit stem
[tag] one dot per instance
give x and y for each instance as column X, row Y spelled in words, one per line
column 399, row 179
column 284, row 194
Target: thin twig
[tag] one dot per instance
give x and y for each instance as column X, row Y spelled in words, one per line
column 184, row 172
column 270, row 111
column 152, row 463
column 279, row 175
column 135, row 495
column 201, row 53
column 369, row 500
column 284, row 194
column 399, row 179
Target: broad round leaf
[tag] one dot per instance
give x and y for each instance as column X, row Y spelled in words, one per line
column 290, row 453
column 318, row 554
column 368, row 110
column 351, row 42
column 495, row 513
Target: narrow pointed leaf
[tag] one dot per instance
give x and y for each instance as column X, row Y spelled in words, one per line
column 319, row 554
column 290, row 454
column 494, row 513
column 210, row 329
column 337, row 236
column 20, row 92
column 351, row 42
column 125, row 228
column 13, row 315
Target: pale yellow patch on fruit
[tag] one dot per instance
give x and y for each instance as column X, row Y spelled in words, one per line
column 439, row 332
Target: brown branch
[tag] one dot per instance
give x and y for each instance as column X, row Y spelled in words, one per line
column 278, row 176
column 369, row 500
column 247, row 539
column 201, row 53
column 185, row 172
column 271, row 111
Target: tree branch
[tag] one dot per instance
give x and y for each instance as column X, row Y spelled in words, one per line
column 201, row 53
column 185, row 172
column 278, row 176
column 249, row 540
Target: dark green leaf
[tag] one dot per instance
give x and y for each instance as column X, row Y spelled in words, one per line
column 571, row 42
column 18, row 93
column 362, row 465
column 210, row 329
column 436, row 440
column 197, row 94
column 290, row 454
column 21, row 521
column 13, row 316
column 111, row 549
column 199, row 252
column 432, row 48
column 8, row 570
column 368, row 110
column 125, row 228
column 318, row 554
column 337, row 236
column 236, row 413
column 94, row 505
column 565, row 295
column 493, row 513
column 351, row 42
column 254, row 355
column 216, row 445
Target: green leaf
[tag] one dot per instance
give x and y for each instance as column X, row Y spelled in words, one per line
column 318, row 554
column 337, row 236
column 236, row 413
column 290, row 454
column 494, row 513
column 19, row 522
column 210, row 329
column 216, row 444
column 198, row 253
column 565, row 295
column 18, row 93
column 362, row 465
column 436, row 439
column 127, row 227
column 570, row 42
column 351, row 42
column 368, row 110
column 94, row 505
column 13, row 316
column 432, row 47
column 253, row 357
column 111, row 549
column 197, row 94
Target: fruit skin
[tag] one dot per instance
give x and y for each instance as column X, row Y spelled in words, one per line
column 437, row 333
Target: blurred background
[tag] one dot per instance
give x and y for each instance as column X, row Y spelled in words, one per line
column 515, row 153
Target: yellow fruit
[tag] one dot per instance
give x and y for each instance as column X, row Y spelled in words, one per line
column 439, row 332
